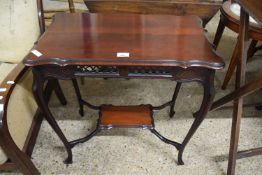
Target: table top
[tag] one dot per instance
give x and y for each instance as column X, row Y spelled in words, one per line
column 124, row 40
column 253, row 7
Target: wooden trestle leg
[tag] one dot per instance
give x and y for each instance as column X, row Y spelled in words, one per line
column 238, row 103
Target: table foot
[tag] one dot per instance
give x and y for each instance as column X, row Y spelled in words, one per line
column 180, row 159
column 175, row 144
column 84, row 139
column 81, row 112
column 172, row 112
column 68, row 161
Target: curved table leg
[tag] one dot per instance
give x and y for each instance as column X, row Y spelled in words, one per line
column 167, row 141
column 173, row 102
column 58, row 91
column 209, row 92
column 38, row 85
column 86, row 138
column 79, row 97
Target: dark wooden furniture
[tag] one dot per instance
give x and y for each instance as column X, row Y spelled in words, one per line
column 126, row 116
column 140, row 116
column 125, row 46
column 231, row 20
column 48, row 14
column 20, row 159
column 253, row 8
column 205, row 9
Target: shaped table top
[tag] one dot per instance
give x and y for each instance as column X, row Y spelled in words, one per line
column 124, row 40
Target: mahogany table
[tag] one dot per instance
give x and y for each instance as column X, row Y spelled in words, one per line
column 254, row 8
column 125, row 46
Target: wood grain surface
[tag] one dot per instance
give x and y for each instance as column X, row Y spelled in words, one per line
column 150, row 40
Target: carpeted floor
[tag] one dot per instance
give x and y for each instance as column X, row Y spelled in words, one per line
column 138, row 152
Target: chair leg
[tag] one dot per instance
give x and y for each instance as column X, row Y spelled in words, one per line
column 219, row 32
column 252, row 49
column 258, row 48
column 71, row 6
column 231, row 66
column 21, row 160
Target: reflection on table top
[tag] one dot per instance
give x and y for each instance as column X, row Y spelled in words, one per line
column 124, row 40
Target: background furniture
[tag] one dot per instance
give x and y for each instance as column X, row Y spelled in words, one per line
column 20, row 118
column 52, row 7
column 230, row 17
column 13, row 138
column 204, row 9
column 253, row 8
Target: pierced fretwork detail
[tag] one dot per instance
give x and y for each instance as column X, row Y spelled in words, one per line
column 98, row 69
column 132, row 71
column 149, row 70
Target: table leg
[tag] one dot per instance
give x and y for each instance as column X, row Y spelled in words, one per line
column 173, row 102
column 38, row 85
column 79, row 97
column 209, row 92
column 86, row 138
column 175, row 144
column 59, row 92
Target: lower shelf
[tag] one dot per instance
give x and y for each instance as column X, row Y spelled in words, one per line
column 126, row 117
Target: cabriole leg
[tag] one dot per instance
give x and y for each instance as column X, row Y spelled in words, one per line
column 38, row 85
column 208, row 85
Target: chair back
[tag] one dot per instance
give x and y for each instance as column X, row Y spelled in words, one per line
column 19, row 29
